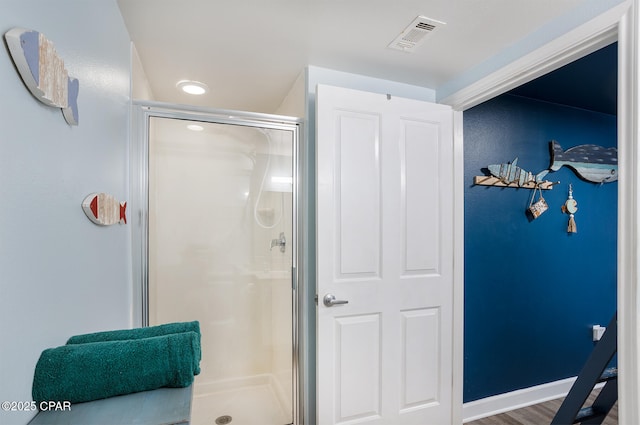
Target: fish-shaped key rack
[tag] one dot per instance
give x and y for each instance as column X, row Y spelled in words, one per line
column 591, row 162
column 43, row 71
column 511, row 175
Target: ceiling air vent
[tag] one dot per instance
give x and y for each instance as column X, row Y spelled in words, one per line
column 415, row 33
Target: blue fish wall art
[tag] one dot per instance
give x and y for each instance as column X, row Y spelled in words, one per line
column 43, row 71
column 591, row 162
column 510, row 173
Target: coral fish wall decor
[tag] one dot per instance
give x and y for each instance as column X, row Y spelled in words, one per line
column 43, row 71
column 591, row 162
column 104, row 209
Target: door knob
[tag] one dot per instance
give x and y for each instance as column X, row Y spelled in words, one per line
column 329, row 300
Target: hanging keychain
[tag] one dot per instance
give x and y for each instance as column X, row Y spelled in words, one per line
column 570, row 207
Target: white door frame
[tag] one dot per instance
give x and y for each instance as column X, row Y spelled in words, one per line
column 618, row 23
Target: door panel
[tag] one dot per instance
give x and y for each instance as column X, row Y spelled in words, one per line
column 419, row 151
column 359, row 195
column 384, row 235
column 421, row 357
column 358, row 375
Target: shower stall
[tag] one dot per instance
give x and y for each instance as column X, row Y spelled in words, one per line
column 215, row 240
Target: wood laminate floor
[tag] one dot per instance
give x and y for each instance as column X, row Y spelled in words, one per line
column 539, row 414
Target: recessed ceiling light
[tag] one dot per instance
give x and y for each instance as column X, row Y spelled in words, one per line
column 192, row 87
column 195, row 127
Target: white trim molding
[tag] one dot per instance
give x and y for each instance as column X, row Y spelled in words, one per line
column 629, row 217
column 513, row 400
column 585, row 39
column 458, row 268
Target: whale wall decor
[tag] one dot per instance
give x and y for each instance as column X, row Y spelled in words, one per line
column 591, row 162
column 43, row 71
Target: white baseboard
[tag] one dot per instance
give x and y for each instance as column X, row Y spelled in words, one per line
column 515, row 400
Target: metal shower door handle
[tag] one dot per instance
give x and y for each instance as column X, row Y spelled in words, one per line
column 281, row 242
column 329, row 300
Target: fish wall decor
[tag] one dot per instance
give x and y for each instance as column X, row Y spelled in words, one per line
column 104, row 209
column 510, row 173
column 43, row 71
column 591, row 162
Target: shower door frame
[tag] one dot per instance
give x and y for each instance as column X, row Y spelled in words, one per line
column 142, row 112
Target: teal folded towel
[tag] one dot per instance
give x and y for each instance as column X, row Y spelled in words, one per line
column 96, row 370
column 137, row 333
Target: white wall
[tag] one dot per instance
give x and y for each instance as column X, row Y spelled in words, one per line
column 140, row 87
column 293, row 104
column 60, row 274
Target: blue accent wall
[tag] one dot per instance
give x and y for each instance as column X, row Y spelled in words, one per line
column 533, row 291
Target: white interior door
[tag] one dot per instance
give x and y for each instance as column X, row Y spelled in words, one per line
column 385, row 245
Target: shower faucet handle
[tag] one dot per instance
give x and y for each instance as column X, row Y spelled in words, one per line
column 281, row 242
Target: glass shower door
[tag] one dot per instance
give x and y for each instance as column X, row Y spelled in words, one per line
column 220, row 252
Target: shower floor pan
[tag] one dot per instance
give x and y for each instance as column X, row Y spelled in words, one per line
column 247, row 401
